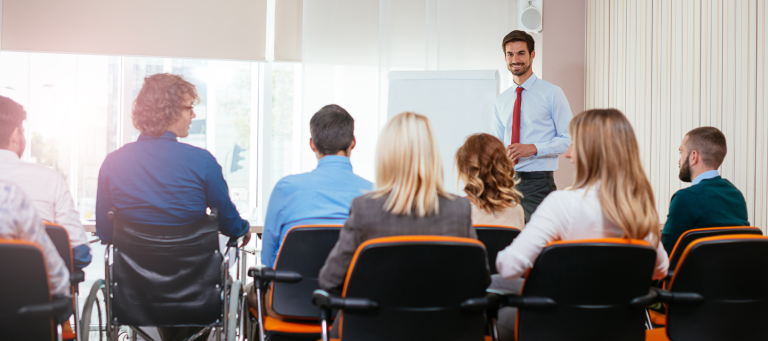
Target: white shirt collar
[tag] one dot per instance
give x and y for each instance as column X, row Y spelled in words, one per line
column 8, row 156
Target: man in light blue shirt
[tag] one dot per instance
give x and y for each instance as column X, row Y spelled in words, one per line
column 531, row 119
column 322, row 196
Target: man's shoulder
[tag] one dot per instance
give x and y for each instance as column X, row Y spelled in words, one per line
column 33, row 172
column 314, row 179
column 178, row 150
column 544, row 86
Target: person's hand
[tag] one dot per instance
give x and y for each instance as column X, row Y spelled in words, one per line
column 246, row 239
column 518, row 150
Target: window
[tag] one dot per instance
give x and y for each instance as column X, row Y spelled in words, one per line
column 79, row 110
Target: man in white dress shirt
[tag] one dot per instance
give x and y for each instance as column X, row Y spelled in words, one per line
column 46, row 188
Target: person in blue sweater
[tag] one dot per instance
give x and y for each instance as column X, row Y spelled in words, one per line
column 710, row 201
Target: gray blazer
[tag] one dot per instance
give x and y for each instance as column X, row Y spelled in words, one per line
column 368, row 220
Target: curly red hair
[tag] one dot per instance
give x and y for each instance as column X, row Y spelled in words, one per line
column 488, row 173
column 160, row 102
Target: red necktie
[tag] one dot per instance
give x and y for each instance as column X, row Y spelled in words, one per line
column 516, row 117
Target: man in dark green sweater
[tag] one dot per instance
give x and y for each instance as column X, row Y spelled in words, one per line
column 710, row 201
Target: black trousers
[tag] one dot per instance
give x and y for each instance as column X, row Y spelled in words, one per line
column 535, row 186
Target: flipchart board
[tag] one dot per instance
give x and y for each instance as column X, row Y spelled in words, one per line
column 458, row 103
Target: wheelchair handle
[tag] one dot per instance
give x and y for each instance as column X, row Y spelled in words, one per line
column 232, row 242
column 214, row 214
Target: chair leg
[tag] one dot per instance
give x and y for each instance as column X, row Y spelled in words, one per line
column 77, row 319
column 648, row 320
column 261, row 314
column 59, row 331
column 494, row 330
column 324, row 331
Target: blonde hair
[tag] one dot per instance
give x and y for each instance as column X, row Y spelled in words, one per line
column 488, row 173
column 409, row 171
column 605, row 150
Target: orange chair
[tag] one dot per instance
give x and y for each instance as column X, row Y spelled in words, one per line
column 586, row 290
column 28, row 312
column 292, row 281
column 692, row 235
column 684, row 241
column 60, row 238
column 495, row 238
column 412, row 288
column 719, row 291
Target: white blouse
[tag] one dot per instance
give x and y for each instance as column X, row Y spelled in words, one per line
column 565, row 215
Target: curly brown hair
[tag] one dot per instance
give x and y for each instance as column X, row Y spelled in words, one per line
column 160, row 102
column 488, row 173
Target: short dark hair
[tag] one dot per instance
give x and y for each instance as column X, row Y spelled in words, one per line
column 332, row 129
column 710, row 143
column 12, row 114
column 518, row 35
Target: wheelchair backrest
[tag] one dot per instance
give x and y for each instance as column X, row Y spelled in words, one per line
column 731, row 274
column 303, row 250
column 24, row 281
column 419, row 284
column 495, row 238
column 692, row 235
column 60, row 239
column 167, row 275
column 592, row 283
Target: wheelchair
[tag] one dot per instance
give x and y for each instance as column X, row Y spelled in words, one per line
column 166, row 276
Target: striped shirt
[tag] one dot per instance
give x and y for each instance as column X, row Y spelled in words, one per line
column 19, row 221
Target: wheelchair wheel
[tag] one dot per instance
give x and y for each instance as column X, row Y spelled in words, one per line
column 234, row 305
column 93, row 320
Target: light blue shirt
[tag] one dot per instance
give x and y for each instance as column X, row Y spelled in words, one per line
column 704, row 176
column 322, row 196
column 544, row 119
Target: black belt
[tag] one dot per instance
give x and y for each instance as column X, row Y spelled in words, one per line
column 535, row 175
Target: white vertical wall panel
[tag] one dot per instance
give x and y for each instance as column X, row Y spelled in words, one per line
column 672, row 66
column 761, row 150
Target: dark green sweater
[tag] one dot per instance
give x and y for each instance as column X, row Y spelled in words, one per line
column 712, row 202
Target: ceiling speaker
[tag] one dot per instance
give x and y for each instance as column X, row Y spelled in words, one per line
column 530, row 15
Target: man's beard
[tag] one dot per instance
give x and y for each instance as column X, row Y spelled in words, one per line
column 685, row 171
column 522, row 71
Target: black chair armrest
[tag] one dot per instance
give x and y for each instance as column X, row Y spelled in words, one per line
column 325, row 300
column 491, row 300
column 77, row 276
column 646, row 300
column 266, row 274
column 665, row 296
column 515, row 300
column 60, row 308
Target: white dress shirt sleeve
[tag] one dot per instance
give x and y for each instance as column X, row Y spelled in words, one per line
column 662, row 259
column 546, row 225
column 561, row 116
column 66, row 215
column 28, row 226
